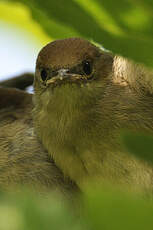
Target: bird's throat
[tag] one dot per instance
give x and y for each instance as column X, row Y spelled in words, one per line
column 67, row 125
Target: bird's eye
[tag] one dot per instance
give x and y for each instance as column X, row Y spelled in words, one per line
column 87, row 67
column 43, row 74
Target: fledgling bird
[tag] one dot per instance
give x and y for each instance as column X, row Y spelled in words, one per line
column 83, row 97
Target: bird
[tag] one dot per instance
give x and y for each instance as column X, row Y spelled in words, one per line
column 24, row 163
column 84, row 95
column 66, row 134
column 21, row 81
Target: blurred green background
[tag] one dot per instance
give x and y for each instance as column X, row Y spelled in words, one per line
column 122, row 26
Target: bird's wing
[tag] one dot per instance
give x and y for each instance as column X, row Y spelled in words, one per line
column 20, row 82
column 12, row 97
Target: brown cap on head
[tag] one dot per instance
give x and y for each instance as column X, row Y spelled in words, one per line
column 62, row 53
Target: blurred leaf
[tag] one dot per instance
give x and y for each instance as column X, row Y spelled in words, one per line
column 19, row 15
column 26, row 210
column 111, row 209
column 124, row 26
column 52, row 27
column 139, row 144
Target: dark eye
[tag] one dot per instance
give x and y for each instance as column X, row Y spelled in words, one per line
column 87, row 67
column 43, row 74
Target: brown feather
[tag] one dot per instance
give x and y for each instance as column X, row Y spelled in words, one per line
column 23, row 160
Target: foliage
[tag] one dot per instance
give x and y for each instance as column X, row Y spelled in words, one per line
column 106, row 208
column 26, row 210
column 109, row 208
column 124, row 26
column 139, row 144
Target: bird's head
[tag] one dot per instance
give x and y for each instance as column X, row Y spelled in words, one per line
column 71, row 64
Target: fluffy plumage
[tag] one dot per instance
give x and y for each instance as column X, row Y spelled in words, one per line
column 23, row 160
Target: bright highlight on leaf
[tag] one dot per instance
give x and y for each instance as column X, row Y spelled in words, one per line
column 103, row 17
column 19, row 15
column 136, row 19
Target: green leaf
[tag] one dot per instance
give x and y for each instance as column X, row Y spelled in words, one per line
column 122, row 26
column 112, row 209
column 27, row 210
column 139, row 144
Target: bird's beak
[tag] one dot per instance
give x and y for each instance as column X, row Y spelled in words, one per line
column 64, row 75
column 60, row 75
